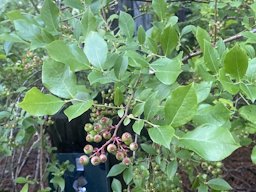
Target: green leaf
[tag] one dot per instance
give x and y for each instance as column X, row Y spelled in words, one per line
column 118, row 96
column 141, row 35
column 249, row 91
column 203, row 90
column 21, row 180
column 121, row 66
column 248, row 112
column 236, row 62
column 136, row 60
column 126, row 24
column 253, row 155
column 128, row 175
column 173, row 20
column 181, row 106
column 77, row 109
column 58, row 181
column 151, row 106
column 211, row 142
column 138, row 126
column 217, row 114
column 60, row 81
column 203, row 188
column 39, row 104
column 96, row 49
column 148, row 149
column 126, row 121
column 162, row 135
column 172, row 168
column 211, row 57
column 89, row 22
column 167, row 70
column 201, row 37
column 138, row 109
column 101, row 77
column 116, row 186
column 69, row 54
column 160, row 8
column 49, row 14
column 169, row 40
column 116, row 170
column 219, row 184
column 24, row 188
column 227, row 83
column 74, row 4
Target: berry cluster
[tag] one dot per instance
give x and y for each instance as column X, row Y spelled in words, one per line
column 118, row 146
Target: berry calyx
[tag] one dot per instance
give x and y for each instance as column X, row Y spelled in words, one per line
column 95, row 160
column 88, row 149
column 84, row 160
column 111, row 148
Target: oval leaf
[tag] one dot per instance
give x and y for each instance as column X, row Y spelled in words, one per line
column 138, row 126
column 116, row 170
column 126, row 24
column 219, row 184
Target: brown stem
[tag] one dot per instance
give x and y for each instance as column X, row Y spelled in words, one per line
column 215, row 21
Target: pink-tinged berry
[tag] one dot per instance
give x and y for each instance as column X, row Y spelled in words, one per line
column 88, row 127
column 127, row 138
column 89, row 138
column 105, row 121
column 88, row 149
column 84, row 160
column 97, row 138
column 127, row 161
column 97, row 127
column 111, row 148
column 119, row 155
column 103, row 158
column 133, row 146
column 95, row 160
column 107, row 135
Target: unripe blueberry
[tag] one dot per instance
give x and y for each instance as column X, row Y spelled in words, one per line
column 111, row 148
column 133, row 146
column 93, row 133
column 127, row 138
column 88, row 127
column 119, row 155
column 103, row 158
column 84, row 160
column 88, row 149
column 97, row 138
column 107, row 135
column 97, row 127
column 95, row 160
column 89, row 138
column 126, row 161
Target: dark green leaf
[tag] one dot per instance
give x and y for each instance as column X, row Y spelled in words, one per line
column 116, row 186
column 172, row 168
column 39, row 104
column 128, row 175
column 151, row 106
column 203, row 90
column 118, row 96
column 201, row 36
column 148, row 148
column 121, row 66
column 141, row 35
column 211, row 57
column 181, row 106
column 162, row 135
column 116, row 170
column 236, row 62
column 169, row 40
column 126, row 24
column 219, row 184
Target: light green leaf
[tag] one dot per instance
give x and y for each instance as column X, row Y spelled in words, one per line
column 227, row 83
column 69, row 54
column 203, row 90
column 116, row 170
column 96, row 49
column 253, row 155
column 128, row 175
column 126, row 121
column 211, row 142
column 59, row 79
column 141, row 35
column 167, row 70
column 121, row 66
column 138, row 109
column 249, row 91
column 203, row 188
column 169, row 39
column 181, row 106
column 136, row 60
column 26, row 30
column 116, row 186
column 21, row 180
column 236, row 62
column 77, row 109
column 219, row 184
column 138, row 126
column 118, row 96
column 172, row 21
column 24, row 188
column 89, row 22
column 251, row 71
column 162, row 135
column 58, row 181
column 172, row 168
column 248, row 112
column 101, row 77
column 39, row 104
column 160, row 8
column 151, row 106
column 201, row 36
column 211, row 57
column 49, row 14
column 74, row 4
column 126, row 24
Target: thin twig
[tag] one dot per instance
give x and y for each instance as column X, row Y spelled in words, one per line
column 215, row 21
column 34, row 5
